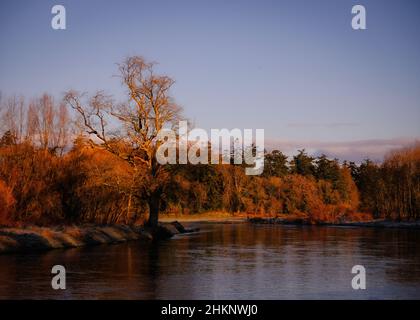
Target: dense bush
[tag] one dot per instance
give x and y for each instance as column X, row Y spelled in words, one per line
column 6, row 204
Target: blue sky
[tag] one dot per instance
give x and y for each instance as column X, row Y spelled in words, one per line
column 294, row 68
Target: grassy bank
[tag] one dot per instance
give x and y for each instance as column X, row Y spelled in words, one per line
column 211, row 216
column 365, row 224
column 355, row 220
column 43, row 238
column 46, row 238
column 223, row 216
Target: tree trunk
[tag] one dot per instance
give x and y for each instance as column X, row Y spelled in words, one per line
column 154, row 204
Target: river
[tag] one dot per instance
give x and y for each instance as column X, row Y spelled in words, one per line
column 228, row 261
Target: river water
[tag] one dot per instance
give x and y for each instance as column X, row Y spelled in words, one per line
column 228, row 261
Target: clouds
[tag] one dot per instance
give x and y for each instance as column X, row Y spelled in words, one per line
column 358, row 150
column 329, row 125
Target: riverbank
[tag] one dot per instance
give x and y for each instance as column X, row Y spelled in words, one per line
column 365, row 224
column 46, row 238
column 213, row 216
column 358, row 220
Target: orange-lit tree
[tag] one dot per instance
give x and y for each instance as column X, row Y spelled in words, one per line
column 149, row 109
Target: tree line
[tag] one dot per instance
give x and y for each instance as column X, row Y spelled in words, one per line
column 89, row 159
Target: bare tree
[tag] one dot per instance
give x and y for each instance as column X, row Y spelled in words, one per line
column 149, row 109
column 13, row 117
column 48, row 124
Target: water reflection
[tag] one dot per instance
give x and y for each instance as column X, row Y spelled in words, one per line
column 228, row 261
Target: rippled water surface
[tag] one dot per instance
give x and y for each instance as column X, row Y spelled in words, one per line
column 228, row 261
